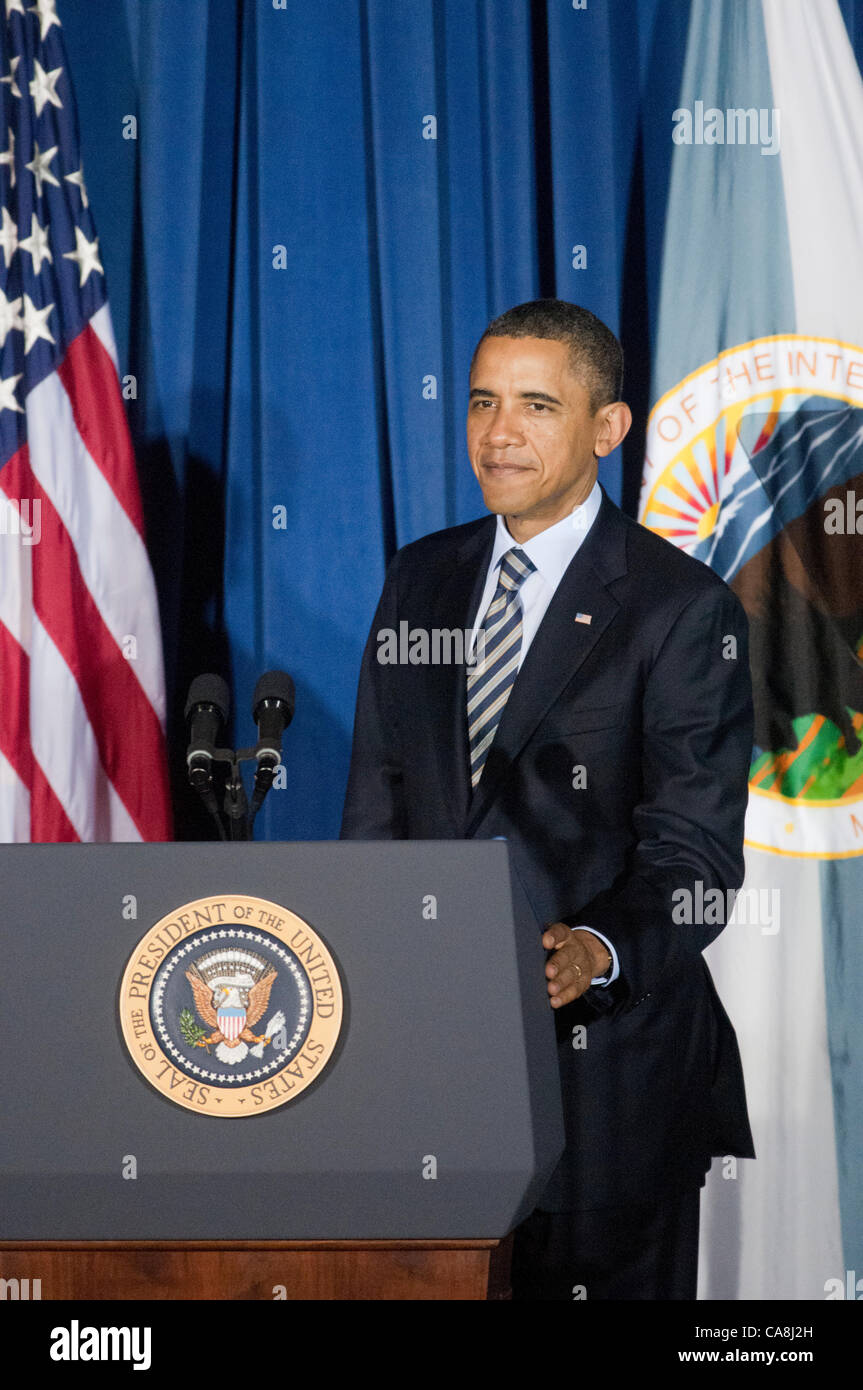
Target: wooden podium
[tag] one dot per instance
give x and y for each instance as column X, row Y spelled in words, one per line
column 398, row 1169
column 294, row 1270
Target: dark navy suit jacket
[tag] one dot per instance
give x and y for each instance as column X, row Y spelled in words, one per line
column 652, row 700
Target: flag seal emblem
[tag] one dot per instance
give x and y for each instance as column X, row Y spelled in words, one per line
column 231, row 1006
column 749, row 461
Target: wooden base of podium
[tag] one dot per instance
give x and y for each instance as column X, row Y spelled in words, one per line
column 336, row 1270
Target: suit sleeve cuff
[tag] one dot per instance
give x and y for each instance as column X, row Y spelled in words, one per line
column 614, row 969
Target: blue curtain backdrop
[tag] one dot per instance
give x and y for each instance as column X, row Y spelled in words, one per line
column 322, row 207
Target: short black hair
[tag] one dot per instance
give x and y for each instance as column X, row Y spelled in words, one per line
column 595, row 355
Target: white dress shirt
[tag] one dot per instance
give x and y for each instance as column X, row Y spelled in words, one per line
column 551, row 552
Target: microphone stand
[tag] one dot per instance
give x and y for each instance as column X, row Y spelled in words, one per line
column 236, row 802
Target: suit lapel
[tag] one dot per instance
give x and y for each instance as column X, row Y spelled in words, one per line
column 455, row 607
column 559, row 648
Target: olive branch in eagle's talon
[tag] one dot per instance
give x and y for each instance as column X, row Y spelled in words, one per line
column 192, row 1032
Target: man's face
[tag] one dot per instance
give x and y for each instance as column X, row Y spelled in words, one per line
column 530, row 433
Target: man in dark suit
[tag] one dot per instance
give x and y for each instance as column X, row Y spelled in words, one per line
column 605, row 729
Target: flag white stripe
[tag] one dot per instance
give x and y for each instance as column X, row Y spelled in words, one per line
column 65, row 747
column 111, row 553
column 16, row 576
column 14, row 805
column 16, row 615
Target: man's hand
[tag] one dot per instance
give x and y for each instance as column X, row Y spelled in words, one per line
column 578, row 958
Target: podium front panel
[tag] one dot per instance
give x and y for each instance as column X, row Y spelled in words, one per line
column 437, row 1116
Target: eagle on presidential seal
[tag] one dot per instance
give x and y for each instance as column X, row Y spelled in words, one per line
column 232, row 988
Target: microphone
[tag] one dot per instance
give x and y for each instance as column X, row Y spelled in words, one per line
column 207, row 707
column 272, row 710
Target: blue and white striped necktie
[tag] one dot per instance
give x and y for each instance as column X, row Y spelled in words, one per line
column 491, row 679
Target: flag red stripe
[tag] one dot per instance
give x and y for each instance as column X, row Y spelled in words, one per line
column 49, row 823
column 90, row 380
column 15, row 706
column 124, row 723
column 48, row 820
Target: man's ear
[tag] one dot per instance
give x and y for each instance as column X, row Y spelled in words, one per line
column 616, row 420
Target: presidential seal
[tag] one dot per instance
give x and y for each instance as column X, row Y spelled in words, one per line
column 231, row 1006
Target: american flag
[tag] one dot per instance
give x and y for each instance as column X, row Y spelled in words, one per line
column 82, row 703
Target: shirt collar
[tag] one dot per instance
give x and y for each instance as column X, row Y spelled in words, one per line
column 553, row 549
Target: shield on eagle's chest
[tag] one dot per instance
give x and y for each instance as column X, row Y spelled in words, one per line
column 232, row 1021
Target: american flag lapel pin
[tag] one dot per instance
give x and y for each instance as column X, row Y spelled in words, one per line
column 585, row 618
